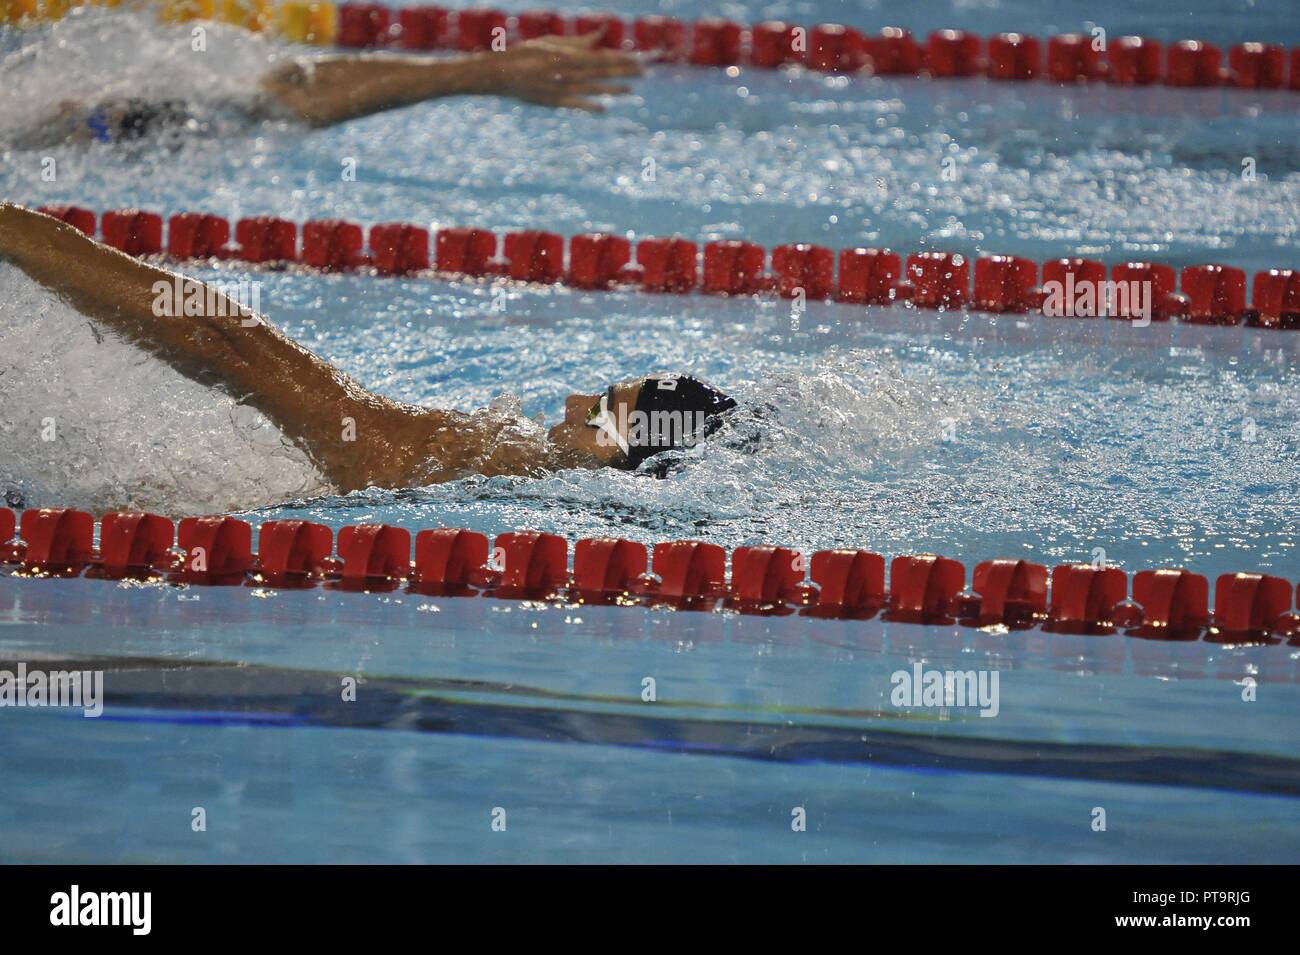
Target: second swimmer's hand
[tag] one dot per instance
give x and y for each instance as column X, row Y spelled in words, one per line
column 559, row 71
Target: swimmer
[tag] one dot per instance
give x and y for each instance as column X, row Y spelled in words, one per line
column 391, row 444
column 550, row 71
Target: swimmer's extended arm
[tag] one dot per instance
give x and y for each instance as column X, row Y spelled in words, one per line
column 393, row 445
column 550, row 71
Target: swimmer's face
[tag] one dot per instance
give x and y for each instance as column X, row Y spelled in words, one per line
column 597, row 436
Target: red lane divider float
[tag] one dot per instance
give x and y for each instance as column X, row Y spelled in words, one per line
column 1163, row 604
column 836, row 48
column 1199, row 294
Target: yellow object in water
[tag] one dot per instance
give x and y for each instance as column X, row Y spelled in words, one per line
column 50, row 10
column 14, row 11
column 180, row 11
column 252, row 15
column 308, row 22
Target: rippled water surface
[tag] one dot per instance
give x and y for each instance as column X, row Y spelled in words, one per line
column 966, row 434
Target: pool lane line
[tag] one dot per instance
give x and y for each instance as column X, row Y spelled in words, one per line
column 1001, row 596
column 1066, row 59
column 275, row 697
column 834, row 48
column 464, row 688
column 1137, row 292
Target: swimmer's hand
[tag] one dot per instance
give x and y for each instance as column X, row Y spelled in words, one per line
column 560, row 71
column 550, row 71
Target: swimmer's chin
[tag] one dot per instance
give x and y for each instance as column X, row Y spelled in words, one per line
column 492, row 444
column 581, row 446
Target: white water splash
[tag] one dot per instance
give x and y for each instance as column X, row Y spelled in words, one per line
column 129, row 431
column 94, row 55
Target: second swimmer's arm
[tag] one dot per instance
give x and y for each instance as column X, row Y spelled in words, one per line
column 552, row 71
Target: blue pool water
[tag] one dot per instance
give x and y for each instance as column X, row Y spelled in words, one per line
column 965, row 434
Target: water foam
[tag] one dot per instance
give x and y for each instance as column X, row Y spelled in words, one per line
column 95, row 55
column 91, row 421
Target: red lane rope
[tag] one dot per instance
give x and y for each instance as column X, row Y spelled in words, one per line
column 835, row 48
column 1199, row 294
column 1164, row 604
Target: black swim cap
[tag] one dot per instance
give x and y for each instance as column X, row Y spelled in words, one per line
column 673, row 411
